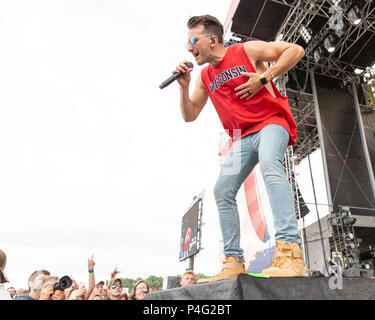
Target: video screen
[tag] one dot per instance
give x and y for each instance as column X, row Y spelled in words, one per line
column 189, row 240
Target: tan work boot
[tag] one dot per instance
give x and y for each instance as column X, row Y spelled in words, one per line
column 231, row 269
column 288, row 261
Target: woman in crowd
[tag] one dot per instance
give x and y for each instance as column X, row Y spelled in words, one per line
column 139, row 291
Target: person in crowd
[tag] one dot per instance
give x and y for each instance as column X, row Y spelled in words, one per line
column 139, row 291
column 20, row 291
column 12, row 292
column 48, row 293
column 35, row 284
column 115, row 290
column 4, row 294
column 97, row 291
column 78, row 293
column 187, row 278
column 68, row 291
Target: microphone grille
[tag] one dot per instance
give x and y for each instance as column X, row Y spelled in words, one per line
column 189, row 64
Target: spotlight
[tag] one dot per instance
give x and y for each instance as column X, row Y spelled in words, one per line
column 358, row 71
column 305, row 33
column 329, row 43
column 354, row 15
column 318, row 53
column 348, row 220
column 280, row 37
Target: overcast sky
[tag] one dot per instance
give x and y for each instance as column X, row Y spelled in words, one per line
column 94, row 157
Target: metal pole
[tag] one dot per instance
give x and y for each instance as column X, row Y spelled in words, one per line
column 321, row 140
column 363, row 138
column 191, row 263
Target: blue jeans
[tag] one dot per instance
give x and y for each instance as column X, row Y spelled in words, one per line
column 267, row 147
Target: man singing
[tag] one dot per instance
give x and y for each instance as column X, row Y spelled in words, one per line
column 258, row 119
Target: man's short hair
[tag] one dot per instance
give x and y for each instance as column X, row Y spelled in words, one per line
column 36, row 274
column 210, row 24
column 188, row 272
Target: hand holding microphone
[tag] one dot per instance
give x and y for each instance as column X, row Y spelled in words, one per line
column 181, row 74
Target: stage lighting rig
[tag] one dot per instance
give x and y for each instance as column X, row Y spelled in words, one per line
column 305, row 33
column 336, row 21
column 347, row 254
column 329, row 42
column 354, row 15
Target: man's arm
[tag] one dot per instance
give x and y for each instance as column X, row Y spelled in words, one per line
column 90, row 265
column 190, row 106
column 113, row 277
column 286, row 54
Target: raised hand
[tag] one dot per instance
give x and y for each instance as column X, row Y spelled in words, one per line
column 114, row 273
column 91, row 263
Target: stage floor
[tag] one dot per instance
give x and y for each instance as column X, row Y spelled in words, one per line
column 245, row 287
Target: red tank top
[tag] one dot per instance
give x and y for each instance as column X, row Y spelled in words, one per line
column 247, row 115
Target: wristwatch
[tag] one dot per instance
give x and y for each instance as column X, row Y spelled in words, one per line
column 263, row 79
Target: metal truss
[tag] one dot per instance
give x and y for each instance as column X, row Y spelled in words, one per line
column 330, row 68
column 307, row 132
column 302, row 12
column 345, row 41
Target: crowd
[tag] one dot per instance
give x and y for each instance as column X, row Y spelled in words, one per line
column 44, row 286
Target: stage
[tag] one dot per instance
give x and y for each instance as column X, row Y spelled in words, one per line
column 245, row 287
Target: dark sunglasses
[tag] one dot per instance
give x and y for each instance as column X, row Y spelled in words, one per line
column 115, row 285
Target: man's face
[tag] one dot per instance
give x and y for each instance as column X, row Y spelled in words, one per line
column 187, row 279
column 116, row 289
column 201, row 49
column 12, row 292
column 99, row 286
column 37, row 284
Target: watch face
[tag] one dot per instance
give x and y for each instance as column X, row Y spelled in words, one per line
column 263, row 80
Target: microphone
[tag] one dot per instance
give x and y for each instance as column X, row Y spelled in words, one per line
column 174, row 76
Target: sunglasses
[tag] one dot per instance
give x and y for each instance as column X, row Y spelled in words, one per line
column 114, row 286
column 194, row 40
